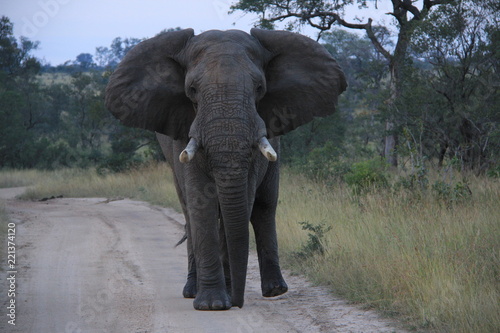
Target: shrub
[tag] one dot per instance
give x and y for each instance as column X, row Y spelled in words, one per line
column 324, row 163
column 494, row 171
column 367, row 175
column 314, row 244
column 450, row 194
column 417, row 181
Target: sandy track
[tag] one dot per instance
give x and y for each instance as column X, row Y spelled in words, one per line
column 94, row 265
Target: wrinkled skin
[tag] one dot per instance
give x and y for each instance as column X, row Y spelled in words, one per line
column 224, row 92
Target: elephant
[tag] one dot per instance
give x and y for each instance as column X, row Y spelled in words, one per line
column 219, row 102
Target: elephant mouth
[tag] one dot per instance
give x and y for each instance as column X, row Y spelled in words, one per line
column 263, row 143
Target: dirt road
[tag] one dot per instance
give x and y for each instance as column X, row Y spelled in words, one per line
column 95, row 265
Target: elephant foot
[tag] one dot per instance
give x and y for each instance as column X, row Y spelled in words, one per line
column 274, row 287
column 189, row 290
column 212, row 299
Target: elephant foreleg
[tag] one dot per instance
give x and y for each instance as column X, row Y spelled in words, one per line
column 189, row 290
column 203, row 209
column 224, row 254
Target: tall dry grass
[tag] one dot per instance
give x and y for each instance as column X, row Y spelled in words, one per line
column 152, row 183
column 433, row 264
column 436, row 265
column 20, row 178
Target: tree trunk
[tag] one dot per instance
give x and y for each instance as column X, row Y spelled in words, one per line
column 390, row 144
column 396, row 67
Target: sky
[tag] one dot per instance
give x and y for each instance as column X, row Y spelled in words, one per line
column 66, row 28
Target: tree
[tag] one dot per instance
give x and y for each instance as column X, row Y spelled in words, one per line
column 461, row 41
column 360, row 104
column 111, row 56
column 322, row 15
column 85, row 61
column 22, row 104
column 316, row 147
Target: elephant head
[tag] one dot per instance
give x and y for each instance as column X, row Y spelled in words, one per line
column 226, row 92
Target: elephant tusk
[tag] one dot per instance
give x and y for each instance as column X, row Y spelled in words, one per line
column 188, row 153
column 267, row 150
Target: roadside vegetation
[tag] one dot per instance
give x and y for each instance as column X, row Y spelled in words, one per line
column 152, row 183
column 429, row 257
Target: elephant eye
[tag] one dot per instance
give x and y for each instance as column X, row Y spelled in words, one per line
column 192, row 91
column 259, row 89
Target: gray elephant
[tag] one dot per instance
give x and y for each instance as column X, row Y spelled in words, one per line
column 216, row 100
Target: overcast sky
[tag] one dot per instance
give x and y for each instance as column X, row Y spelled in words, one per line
column 66, row 28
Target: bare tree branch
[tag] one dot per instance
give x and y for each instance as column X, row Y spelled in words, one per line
column 331, row 18
column 429, row 3
column 408, row 5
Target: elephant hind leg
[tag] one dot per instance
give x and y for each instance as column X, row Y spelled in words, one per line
column 264, row 225
column 190, row 288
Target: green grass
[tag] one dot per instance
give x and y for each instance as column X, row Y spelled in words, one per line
column 434, row 265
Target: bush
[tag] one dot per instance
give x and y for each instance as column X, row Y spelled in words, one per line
column 314, row 245
column 451, row 193
column 322, row 164
column 118, row 162
column 417, row 181
column 367, row 175
column 494, row 171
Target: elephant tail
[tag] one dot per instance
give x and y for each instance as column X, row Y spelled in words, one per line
column 183, row 239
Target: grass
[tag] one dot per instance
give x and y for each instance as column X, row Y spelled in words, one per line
column 19, row 178
column 436, row 266
column 153, row 184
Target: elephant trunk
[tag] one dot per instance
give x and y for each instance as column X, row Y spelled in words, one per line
column 233, row 200
column 228, row 138
column 230, row 158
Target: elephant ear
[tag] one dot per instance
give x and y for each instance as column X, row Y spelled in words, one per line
column 147, row 88
column 303, row 81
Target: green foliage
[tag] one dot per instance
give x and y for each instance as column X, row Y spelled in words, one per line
column 49, row 124
column 298, row 144
column 415, row 182
column 366, row 176
column 314, row 244
column 447, row 108
column 446, row 190
column 451, row 194
column 109, row 57
column 438, row 80
column 494, row 172
column 323, row 163
column 457, row 101
column 123, row 152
